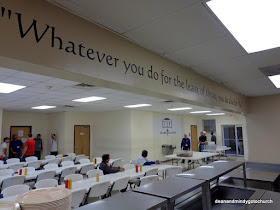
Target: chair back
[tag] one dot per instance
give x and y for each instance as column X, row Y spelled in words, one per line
column 134, row 162
column 67, row 163
column 148, row 179
column 7, row 172
column 31, row 158
column 128, row 166
column 45, row 175
column 13, row 160
column 171, row 172
column 15, row 190
column 117, row 162
column 84, row 160
column 66, row 159
column 13, row 180
column 150, row 172
column 77, row 198
column 51, row 166
column 74, row 177
column 50, row 157
column 79, row 157
column 67, row 171
column 1, row 162
column 46, row 183
column 120, row 184
column 92, row 173
column 55, row 161
column 72, row 155
column 16, row 166
column 84, row 169
column 29, row 170
column 34, row 164
column 99, row 189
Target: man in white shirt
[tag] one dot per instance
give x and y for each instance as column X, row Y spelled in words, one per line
column 53, row 145
column 4, row 150
column 143, row 160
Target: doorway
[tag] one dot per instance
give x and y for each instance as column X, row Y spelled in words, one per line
column 21, row 131
column 194, row 139
column 233, row 137
column 82, row 139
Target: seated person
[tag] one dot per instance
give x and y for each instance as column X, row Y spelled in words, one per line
column 143, row 160
column 106, row 168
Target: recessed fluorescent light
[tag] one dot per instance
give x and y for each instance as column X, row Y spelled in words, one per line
column 90, row 99
column 198, row 112
column 9, row 88
column 254, row 23
column 275, row 80
column 178, row 109
column 137, row 105
column 43, row 107
column 216, row 114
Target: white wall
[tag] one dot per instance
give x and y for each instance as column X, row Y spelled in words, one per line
column 112, row 134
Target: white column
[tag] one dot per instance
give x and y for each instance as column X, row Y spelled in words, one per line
column 245, row 137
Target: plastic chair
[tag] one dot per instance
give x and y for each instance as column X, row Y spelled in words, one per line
column 78, row 158
column 66, row 159
column 29, row 170
column 34, row 164
column 13, row 160
column 74, row 177
column 77, row 198
column 134, row 162
column 15, row 190
column 16, row 166
column 84, row 160
column 171, row 172
column 45, row 175
column 32, row 158
column 117, row 162
column 128, row 166
column 150, row 172
column 148, row 179
column 72, row 155
column 65, row 172
column 50, row 157
column 119, row 185
column 55, row 161
column 46, row 183
column 51, row 166
column 13, row 180
column 84, row 169
column 67, row 163
column 7, row 172
column 1, row 162
column 92, row 173
column 100, row 189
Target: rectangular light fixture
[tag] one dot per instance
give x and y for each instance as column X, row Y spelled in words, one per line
column 178, row 109
column 89, row 99
column 199, row 112
column 43, row 107
column 215, row 114
column 9, row 88
column 275, row 80
column 253, row 23
column 137, row 105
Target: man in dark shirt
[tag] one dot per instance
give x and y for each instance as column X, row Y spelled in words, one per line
column 213, row 137
column 106, row 168
column 16, row 146
column 202, row 142
column 38, row 146
column 185, row 144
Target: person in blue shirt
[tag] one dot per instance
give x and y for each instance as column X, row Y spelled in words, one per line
column 16, row 146
column 185, row 144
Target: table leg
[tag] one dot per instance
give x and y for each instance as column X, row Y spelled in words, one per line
column 170, row 205
column 244, row 175
column 206, row 196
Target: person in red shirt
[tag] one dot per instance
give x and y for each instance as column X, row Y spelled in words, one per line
column 29, row 147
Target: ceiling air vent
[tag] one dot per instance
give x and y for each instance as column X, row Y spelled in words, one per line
column 270, row 70
column 68, row 106
column 169, row 101
column 84, row 86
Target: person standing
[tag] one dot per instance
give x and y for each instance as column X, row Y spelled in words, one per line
column 202, row 142
column 15, row 147
column 213, row 137
column 38, row 146
column 4, row 150
column 185, row 144
column 54, row 150
column 29, row 148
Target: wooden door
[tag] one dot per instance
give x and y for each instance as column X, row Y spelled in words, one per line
column 82, row 139
column 194, row 138
column 21, row 131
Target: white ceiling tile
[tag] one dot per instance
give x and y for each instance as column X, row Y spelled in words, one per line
column 33, row 77
column 17, row 81
column 7, row 72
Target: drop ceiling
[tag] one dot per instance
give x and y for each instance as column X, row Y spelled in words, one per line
column 186, row 32
column 43, row 90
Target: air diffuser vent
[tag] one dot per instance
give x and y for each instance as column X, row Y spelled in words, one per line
column 68, row 106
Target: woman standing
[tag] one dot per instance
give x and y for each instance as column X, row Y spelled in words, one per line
column 53, row 145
